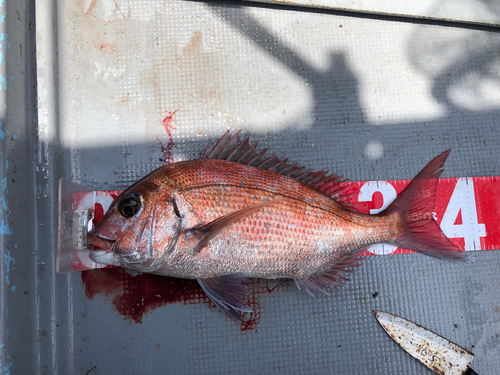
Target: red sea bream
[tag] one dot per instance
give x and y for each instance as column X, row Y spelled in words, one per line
column 236, row 214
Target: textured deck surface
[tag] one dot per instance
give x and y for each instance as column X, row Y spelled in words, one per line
column 371, row 98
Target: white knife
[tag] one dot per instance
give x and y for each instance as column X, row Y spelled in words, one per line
column 434, row 351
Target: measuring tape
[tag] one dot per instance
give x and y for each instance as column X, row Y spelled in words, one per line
column 467, row 210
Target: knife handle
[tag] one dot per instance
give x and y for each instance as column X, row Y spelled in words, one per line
column 470, row 372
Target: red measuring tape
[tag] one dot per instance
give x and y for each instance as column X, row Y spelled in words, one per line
column 467, row 209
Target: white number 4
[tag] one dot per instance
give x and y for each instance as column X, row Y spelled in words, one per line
column 463, row 200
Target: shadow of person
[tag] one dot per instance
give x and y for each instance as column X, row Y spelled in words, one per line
column 335, row 90
column 335, row 108
column 336, row 93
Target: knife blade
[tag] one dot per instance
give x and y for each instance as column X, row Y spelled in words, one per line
column 434, row 351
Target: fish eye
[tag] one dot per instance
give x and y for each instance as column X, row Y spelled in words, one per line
column 129, row 206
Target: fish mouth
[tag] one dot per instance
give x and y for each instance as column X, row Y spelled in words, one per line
column 101, row 242
column 105, row 257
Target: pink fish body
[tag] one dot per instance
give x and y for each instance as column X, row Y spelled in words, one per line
column 235, row 214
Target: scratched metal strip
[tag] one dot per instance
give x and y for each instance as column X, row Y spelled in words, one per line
column 468, row 11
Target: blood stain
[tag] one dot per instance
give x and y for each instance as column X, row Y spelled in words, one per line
column 167, row 122
column 136, row 296
column 277, row 287
column 252, row 319
column 256, row 288
column 168, row 156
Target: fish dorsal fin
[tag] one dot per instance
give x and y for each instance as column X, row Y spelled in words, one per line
column 333, row 277
column 228, row 148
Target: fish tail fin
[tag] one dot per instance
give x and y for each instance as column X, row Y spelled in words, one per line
column 413, row 210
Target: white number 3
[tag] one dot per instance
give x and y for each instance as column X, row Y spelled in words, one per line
column 389, row 194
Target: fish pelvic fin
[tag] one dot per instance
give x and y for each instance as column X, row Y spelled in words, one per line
column 333, row 277
column 227, row 293
column 413, row 209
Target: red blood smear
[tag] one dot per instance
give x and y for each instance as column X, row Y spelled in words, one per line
column 252, row 319
column 257, row 287
column 136, row 296
column 167, row 151
column 168, row 157
column 167, row 122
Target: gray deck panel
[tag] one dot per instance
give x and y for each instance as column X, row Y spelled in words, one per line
column 436, row 89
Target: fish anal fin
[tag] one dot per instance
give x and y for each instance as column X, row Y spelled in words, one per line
column 332, row 278
column 206, row 232
column 228, row 148
column 227, row 292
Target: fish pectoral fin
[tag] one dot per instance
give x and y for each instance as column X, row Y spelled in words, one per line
column 206, row 232
column 227, row 293
column 332, row 278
